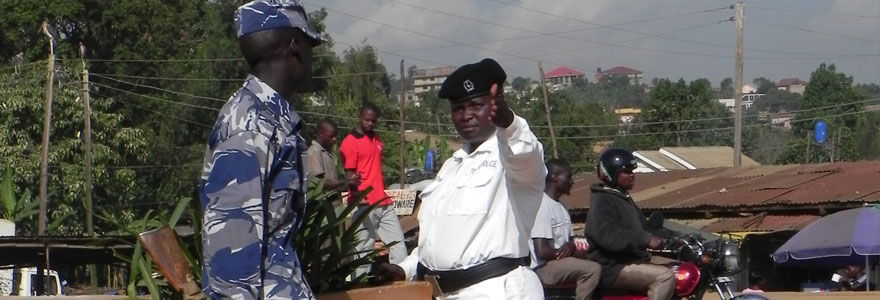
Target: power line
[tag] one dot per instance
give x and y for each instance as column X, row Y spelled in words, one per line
column 702, row 130
column 397, row 55
column 154, row 98
column 525, row 30
column 156, row 112
column 670, row 38
column 431, row 36
column 711, row 119
column 161, row 89
column 817, row 32
column 223, row 79
column 562, row 32
column 814, row 12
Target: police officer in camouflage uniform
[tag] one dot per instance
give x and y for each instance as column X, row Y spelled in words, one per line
column 253, row 182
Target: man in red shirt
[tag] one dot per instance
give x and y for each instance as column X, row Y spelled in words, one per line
column 361, row 153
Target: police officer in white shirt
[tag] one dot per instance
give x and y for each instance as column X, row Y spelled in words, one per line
column 475, row 219
column 555, row 258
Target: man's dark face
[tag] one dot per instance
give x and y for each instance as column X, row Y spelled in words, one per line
column 564, row 182
column 302, row 59
column 626, row 179
column 471, row 119
column 327, row 136
column 369, row 119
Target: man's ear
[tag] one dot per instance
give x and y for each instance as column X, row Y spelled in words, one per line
column 294, row 48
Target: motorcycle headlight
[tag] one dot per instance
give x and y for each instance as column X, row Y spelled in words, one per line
column 730, row 253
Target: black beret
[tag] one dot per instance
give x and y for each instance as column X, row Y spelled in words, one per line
column 472, row 80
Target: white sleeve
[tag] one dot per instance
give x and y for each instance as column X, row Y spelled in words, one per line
column 521, row 153
column 542, row 228
column 410, row 264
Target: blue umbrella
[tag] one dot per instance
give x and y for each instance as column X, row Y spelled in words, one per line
column 840, row 239
column 849, row 237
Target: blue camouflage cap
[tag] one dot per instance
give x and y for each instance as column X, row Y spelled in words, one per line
column 274, row 14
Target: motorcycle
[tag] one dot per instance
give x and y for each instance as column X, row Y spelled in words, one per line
column 700, row 266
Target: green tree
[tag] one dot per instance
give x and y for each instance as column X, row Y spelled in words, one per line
column 776, row 101
column 666, row 119
column 764, row 85
column 726, row 91
column 831, row 97
column 520, row 84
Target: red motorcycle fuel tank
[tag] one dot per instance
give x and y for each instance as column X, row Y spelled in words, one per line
column 687, row 277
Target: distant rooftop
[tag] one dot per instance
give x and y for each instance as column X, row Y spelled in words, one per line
column 791, row 81
column 620, row 70
column 563, row 71
column 437, row 71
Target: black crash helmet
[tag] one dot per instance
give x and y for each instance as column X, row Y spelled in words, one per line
column 612, row 162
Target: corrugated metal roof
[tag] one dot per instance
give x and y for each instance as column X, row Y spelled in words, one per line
column 727, row 188
column 658, row 158
column 710, row 157
column 760, row 222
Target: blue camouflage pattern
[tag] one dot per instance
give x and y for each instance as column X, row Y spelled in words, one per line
column 247, row 243
column 274, row 14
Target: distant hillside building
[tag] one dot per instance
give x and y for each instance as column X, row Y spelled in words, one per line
column 562, row 77
column 635, row 76
column 429, row 79
column 792, row 85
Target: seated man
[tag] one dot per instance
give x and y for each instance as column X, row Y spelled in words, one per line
column 554, row 256
column 618, row 232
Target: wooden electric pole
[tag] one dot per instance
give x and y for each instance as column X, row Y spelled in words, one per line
column 402, row 105
column 44, row 159
column 87, row 132
column 547, row 110
column 737, row 120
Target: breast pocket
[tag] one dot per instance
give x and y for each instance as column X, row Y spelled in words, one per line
column 475, row 193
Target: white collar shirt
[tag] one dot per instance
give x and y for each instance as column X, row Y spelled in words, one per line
column 482, row 204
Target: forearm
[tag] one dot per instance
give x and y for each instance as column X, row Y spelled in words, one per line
column 521, row 153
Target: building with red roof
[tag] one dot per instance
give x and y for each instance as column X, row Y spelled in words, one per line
column 562, row 77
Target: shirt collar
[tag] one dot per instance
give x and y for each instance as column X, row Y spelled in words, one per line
column 315, row 142
column 277, row 105
column 489, row 145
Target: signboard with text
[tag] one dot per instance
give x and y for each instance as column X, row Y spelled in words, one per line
column 404, row 201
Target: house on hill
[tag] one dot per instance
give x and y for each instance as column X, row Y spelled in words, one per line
column 792, row 85
column 562, row 77
column 635, row 76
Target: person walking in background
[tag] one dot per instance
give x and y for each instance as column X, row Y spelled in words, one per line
column 361, row 153
column 252, row 188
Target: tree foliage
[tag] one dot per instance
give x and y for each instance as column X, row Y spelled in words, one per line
column 831, row 97
column 680, row 114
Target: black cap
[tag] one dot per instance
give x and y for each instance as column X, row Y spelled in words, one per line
column 472, row 80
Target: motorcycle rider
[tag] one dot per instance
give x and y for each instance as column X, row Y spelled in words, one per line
column 619, row 235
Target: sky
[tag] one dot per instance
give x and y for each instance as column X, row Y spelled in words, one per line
column 674, row 39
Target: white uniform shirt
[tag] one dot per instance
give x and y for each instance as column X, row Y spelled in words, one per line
column 552, row 222
column 482, row 204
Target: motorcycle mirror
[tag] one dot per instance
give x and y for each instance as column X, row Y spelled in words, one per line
column 655, row 221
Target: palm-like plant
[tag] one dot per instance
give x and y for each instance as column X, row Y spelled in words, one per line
column 325, row 245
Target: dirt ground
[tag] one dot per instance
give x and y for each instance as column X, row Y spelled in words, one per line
column 821, row 296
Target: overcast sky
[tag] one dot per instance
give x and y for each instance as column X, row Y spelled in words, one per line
column 673, row 38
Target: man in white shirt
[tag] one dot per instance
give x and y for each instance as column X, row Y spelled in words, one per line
column 476, row 217
column 555, row 258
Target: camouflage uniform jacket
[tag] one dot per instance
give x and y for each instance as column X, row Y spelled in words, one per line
column 253, row 171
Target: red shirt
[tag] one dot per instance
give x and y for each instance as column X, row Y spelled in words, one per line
column 364, row 154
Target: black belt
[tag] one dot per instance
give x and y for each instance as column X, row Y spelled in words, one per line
column 451, row 281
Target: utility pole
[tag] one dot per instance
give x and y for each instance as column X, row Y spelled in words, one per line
column 44, row 159
column 87, row 119
column 737, row 121
column 547, row 110
column 402, row 127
